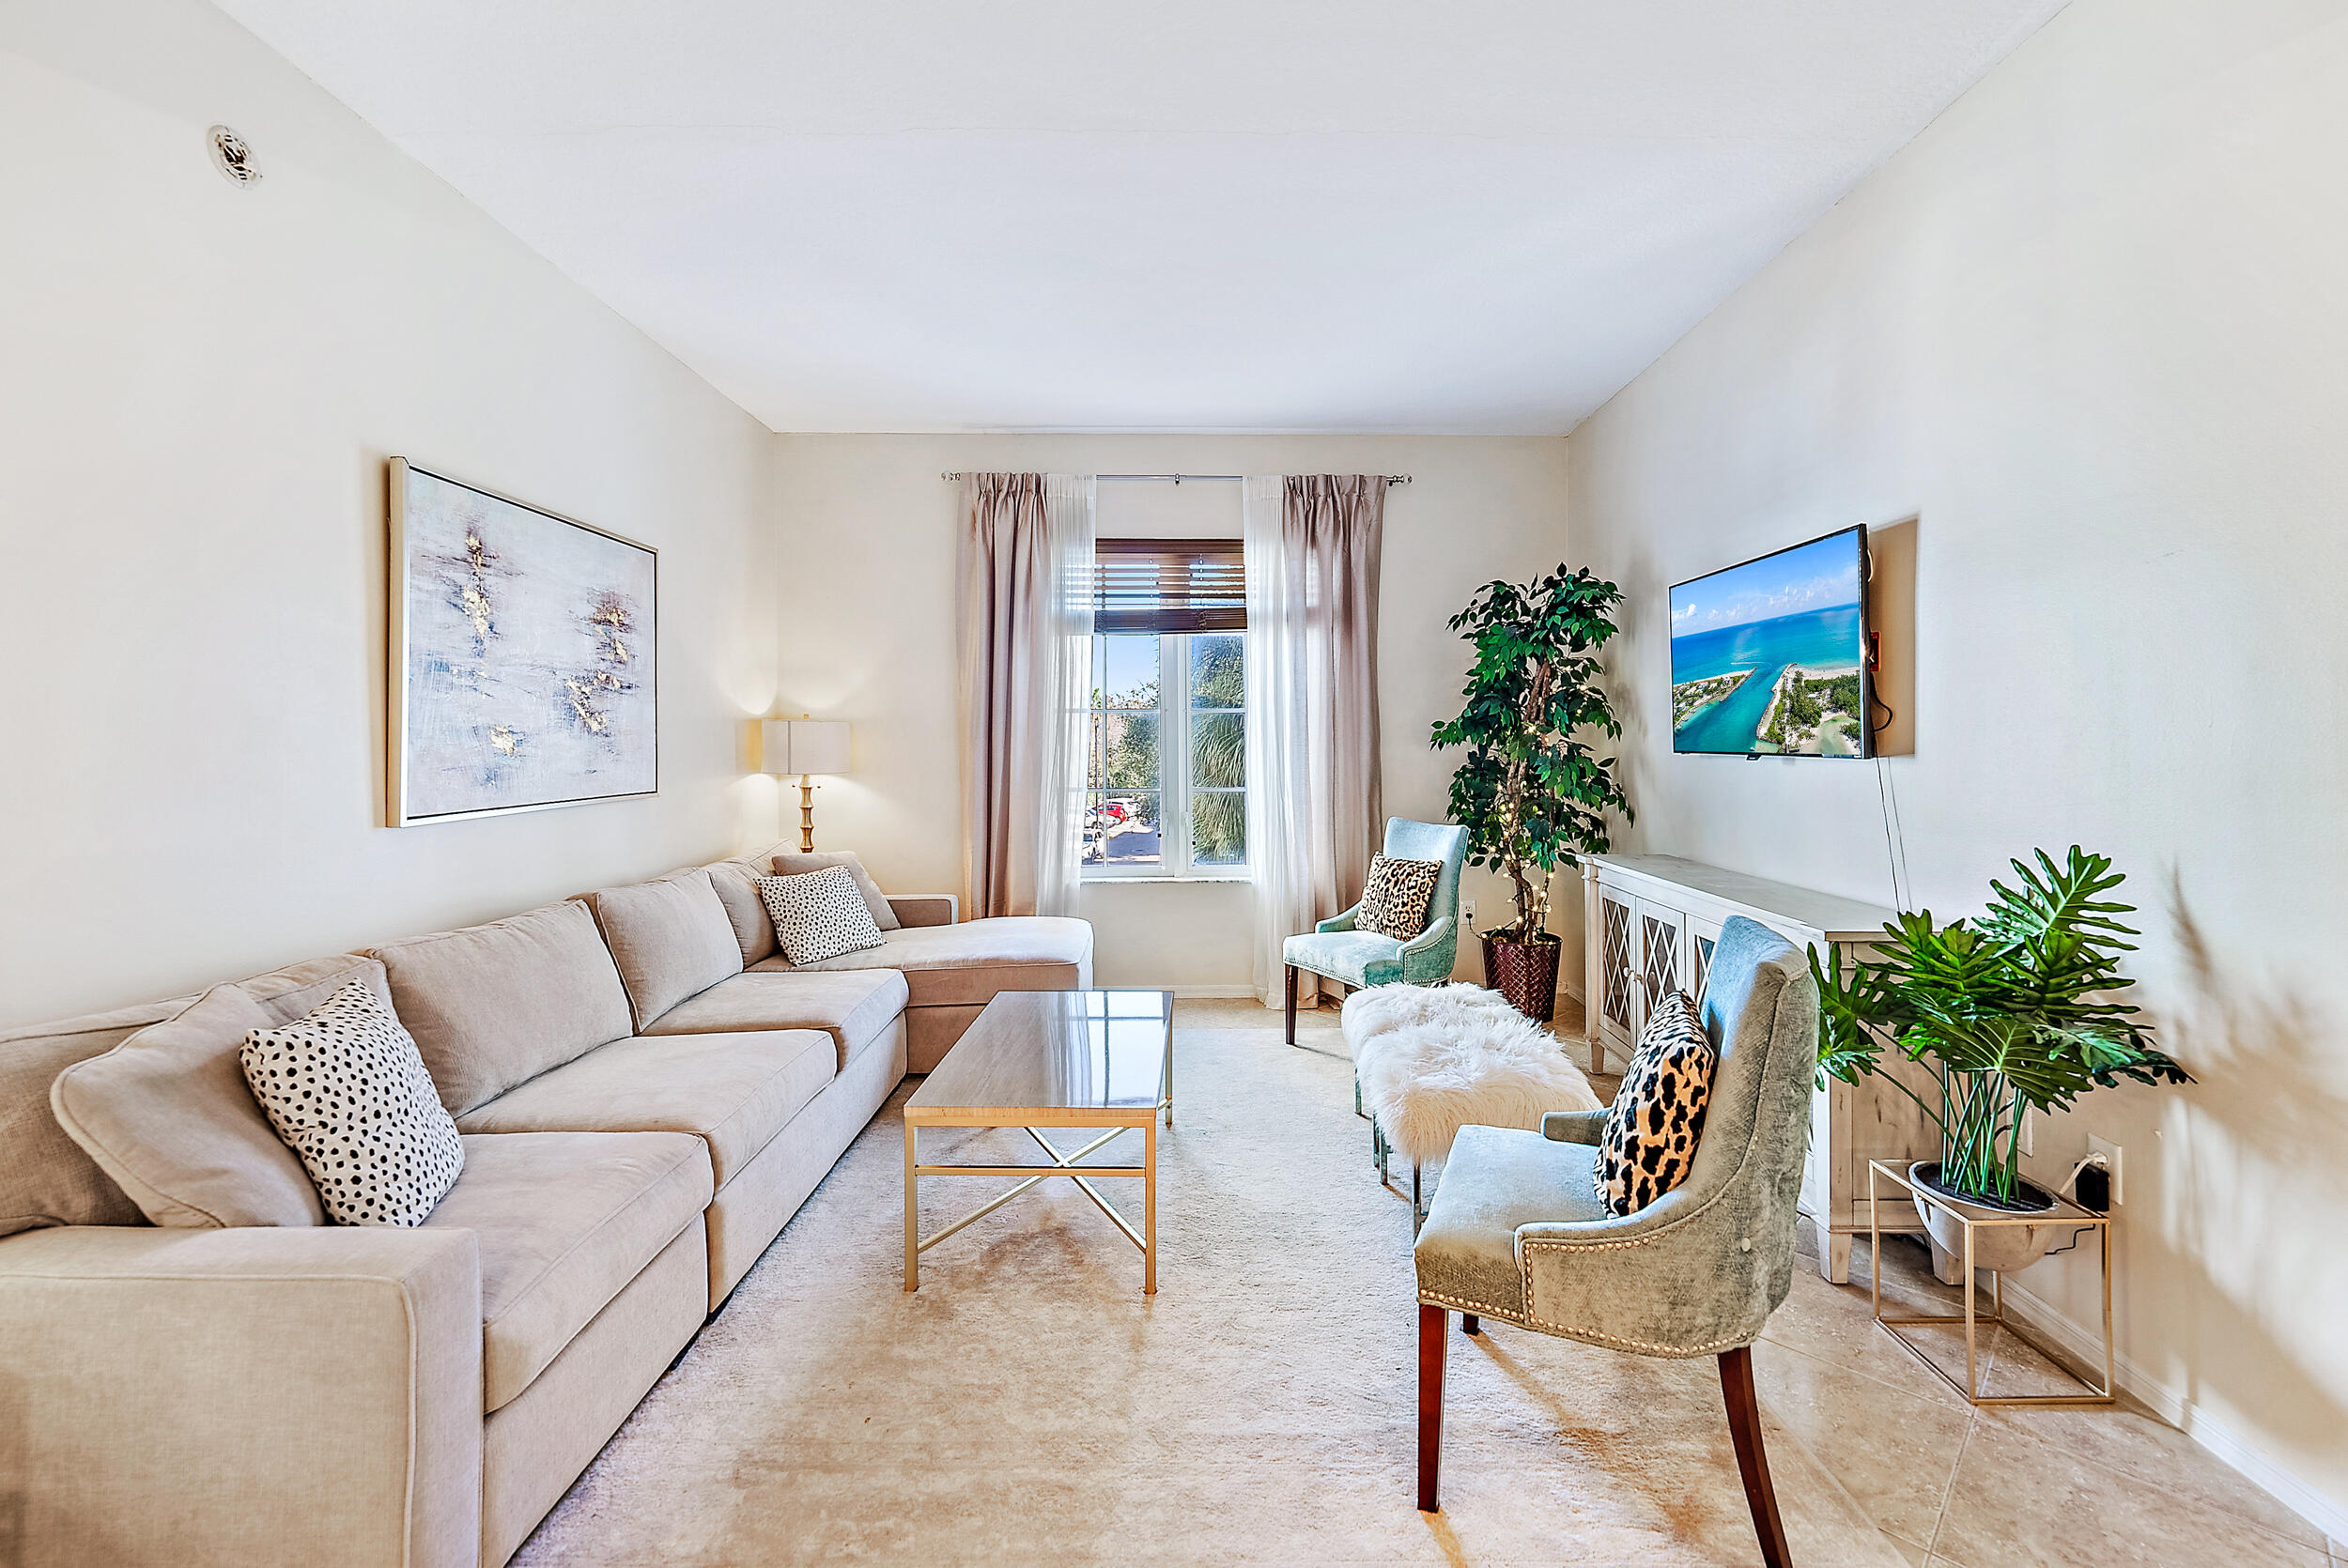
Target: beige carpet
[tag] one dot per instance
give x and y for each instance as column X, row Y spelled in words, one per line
column 1030, row 1406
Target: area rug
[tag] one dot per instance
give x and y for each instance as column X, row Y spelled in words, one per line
column 1028, row 1405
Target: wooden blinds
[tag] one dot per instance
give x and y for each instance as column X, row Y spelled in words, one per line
column 1168, row 585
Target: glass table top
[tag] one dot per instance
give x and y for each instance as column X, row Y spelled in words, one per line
column 1057, row 1049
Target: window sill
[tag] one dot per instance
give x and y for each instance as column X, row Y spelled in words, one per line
column 1147, row 881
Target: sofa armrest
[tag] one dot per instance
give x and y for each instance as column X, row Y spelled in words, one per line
column 1574, row 1126
column 926, row 909
column 256, row 1397
column 1341, row 921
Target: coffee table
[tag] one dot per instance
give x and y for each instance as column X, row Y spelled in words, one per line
column 1035, row 1059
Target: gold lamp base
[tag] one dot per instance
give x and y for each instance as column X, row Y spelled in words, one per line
column 807, row 815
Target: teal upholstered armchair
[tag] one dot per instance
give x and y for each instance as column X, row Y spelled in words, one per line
column 1334, row 950
column 1517, row 1233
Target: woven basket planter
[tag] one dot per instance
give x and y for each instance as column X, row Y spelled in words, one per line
column 1525, row 973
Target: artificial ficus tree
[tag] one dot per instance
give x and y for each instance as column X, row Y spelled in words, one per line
column 1532, row 793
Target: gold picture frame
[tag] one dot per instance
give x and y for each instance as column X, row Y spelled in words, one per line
column 523, row 657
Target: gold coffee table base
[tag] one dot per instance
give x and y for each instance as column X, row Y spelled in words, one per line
column 1096, row 1060
column 1063, row 1164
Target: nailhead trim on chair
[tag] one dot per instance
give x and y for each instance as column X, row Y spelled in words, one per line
column 1526, row 1250
column 1482, row 1308
column 1574, row 1330
column 1503, row 1314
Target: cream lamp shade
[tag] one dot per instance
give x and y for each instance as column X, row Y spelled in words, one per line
column 804, row 746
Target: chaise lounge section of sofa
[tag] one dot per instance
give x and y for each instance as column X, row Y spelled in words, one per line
column 647, row 1092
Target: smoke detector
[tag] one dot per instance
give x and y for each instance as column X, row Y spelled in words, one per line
column 232, row 157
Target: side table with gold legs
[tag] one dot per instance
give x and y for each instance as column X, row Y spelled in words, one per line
column 2065, row 1215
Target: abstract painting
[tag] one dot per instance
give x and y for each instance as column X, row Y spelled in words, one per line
column 521, row 656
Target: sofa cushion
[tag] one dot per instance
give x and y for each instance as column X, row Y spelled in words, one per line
column 670, row 937
column 924, row 909
column 564, row 1221
column 737, row 886
column 950, row 965
column 495, row 1006
column 46, row 1178
column 734, row 1092
column 167, row 1114
column 854, row 1006
column 797, row 865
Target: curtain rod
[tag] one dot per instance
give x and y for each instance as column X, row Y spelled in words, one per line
column 1178, row 478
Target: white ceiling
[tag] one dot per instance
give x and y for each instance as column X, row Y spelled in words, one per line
column 1466, row 215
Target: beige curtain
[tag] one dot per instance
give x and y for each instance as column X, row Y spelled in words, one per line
column 1025, row 569
column 1313, row 784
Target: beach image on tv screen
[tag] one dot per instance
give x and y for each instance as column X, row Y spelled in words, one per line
column 1766, row 656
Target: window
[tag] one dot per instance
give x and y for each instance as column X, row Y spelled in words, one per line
column 1166, row 770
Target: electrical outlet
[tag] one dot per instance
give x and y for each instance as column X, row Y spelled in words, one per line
column 2110, row 1151
column 1467, row 911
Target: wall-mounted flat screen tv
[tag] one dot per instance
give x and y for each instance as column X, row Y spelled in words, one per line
column 1771, row 657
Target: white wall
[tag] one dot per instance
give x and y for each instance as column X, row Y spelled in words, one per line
column 865, row 539
column 2089, row 330
column 198, row 388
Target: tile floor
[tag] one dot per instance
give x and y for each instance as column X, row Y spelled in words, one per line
column 1958, row 1488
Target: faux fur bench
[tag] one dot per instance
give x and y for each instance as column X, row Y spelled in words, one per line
column 1429, row 1060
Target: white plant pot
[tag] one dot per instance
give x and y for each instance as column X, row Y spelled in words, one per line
column 2000, row 1248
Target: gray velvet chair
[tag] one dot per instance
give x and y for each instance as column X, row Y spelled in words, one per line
column 1517, row 1233
column 1334, row 950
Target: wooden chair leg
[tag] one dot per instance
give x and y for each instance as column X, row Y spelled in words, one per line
column 1471, row 1324
column 1434, row 1325
column 1291, row 1004
column 1744, row 1430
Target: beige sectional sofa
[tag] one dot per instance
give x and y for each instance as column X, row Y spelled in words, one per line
column 646, row 1091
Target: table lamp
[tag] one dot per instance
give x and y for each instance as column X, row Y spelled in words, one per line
column 806, row 746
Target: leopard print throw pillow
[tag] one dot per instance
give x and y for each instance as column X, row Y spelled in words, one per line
column 1658, row 1115
column 1395, row 899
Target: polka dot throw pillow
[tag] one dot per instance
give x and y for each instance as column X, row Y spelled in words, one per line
column 819, row 916
column 345, row 1087
column 1658, row 1115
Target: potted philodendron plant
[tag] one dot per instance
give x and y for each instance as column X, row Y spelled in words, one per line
column 2016, row 1011
column 1532, row 793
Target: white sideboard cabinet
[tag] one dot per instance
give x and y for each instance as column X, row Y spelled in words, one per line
column 1652, row 922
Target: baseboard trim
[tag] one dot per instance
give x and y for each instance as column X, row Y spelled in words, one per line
column 1211, row 994
column 2087, row 1347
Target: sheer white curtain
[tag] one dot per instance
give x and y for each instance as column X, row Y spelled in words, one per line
column 1026, row 570
column 1063, row 703
column 1313, row 784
